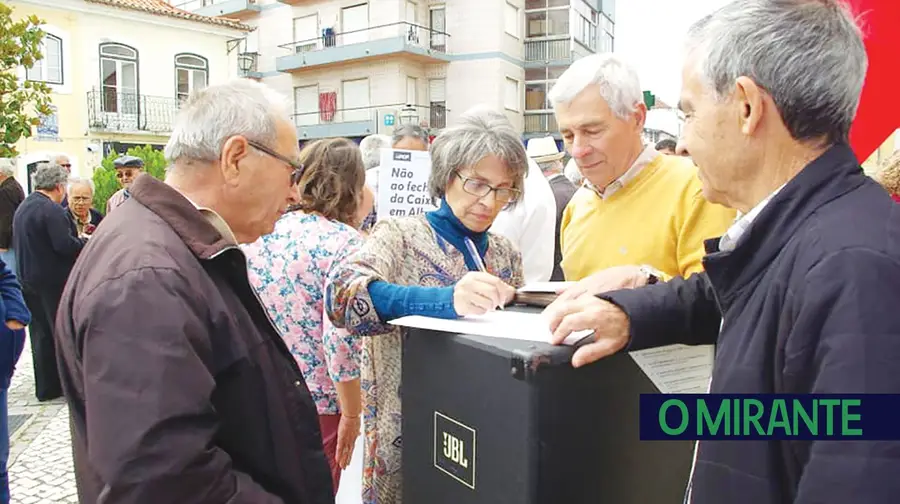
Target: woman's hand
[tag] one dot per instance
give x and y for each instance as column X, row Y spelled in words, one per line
column 478, row 293
column 15, row 325
column 348, row 431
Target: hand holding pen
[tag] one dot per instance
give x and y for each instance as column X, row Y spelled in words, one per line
column 479, row 292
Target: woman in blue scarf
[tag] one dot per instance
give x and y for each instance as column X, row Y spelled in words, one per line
column 433, row 265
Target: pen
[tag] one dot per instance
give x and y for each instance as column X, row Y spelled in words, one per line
column 473, row 251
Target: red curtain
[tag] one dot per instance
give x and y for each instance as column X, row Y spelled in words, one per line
column 327, row 106
column 879, row 111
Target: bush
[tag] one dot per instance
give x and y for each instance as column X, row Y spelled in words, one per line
column 105, row 183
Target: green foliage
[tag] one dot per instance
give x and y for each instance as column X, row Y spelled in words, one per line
column 21, row 104
column 105, row 183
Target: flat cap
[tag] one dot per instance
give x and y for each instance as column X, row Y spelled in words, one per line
column 128, row 162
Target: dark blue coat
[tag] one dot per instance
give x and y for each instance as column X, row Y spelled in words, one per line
column 811, row 304
column 12, row 307
column 45, row 242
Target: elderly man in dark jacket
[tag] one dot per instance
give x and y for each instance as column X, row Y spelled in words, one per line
column 46, row 245
column 180, row 387
column 801, row 294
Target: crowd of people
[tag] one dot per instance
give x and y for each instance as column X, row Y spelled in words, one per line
column 222, row 335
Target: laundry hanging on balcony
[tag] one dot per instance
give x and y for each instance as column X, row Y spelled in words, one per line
column 327, row 106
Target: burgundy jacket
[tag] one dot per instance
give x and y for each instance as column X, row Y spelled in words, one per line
column 180, row 388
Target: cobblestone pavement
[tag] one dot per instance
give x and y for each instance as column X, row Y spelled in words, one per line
column 40, row 460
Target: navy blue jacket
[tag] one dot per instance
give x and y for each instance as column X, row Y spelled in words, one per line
column 811, row 304
column 12, row 307
column 45, row 242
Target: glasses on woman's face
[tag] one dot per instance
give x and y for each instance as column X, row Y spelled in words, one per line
column 505, row 195
column 296, row 167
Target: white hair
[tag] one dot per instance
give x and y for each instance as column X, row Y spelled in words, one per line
column 7, row 167
column 808, row 56
column 619, row 84
column 213, row 115
column 74, row 181
column 370, row 147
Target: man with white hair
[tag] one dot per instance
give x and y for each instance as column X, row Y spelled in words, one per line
column 180, row 387
column 801, row 293
column 637, row 209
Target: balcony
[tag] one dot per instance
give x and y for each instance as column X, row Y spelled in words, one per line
column 111, row 110
column 540, row 123
column 552, row 52
column 233, row 8
column 408, row 39
column 363, row 121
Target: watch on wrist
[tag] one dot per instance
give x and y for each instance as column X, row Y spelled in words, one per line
column 653, row 275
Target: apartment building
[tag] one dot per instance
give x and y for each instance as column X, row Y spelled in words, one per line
column 356, row 67
column 118, row 70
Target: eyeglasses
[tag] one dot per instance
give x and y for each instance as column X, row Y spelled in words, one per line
column 80, row 199
column 66, row 165
column 476, row 187
column 296, row 168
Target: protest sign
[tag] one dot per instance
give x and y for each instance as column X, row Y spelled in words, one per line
column 403, row 183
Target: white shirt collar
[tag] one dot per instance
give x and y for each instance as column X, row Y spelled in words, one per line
column 644, row 158
column 742, row 223
column 216, row 220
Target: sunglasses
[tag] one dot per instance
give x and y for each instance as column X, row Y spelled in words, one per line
column 296, row 168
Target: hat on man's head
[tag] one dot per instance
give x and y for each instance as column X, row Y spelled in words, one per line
column 542, row 150
column 128, row 162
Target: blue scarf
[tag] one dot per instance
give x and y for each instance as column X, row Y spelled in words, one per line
column 451, row 229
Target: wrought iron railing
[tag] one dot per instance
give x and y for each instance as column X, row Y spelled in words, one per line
column 548, row 50
column 412, row 33
column 110, row 109
column 540, row 122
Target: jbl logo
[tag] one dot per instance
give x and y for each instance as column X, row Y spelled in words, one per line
column 454, row 449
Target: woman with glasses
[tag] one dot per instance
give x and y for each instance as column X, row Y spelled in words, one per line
column 441, row 264
column 289, row 269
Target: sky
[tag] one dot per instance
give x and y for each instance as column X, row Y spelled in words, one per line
column 649, row 34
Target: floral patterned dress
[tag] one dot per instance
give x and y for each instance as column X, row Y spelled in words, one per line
column 404, row 251
column 289, row 269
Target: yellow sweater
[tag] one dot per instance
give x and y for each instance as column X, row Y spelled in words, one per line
column 659, row 218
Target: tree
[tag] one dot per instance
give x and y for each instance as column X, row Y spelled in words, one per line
column 21, row 103
column 105, row 183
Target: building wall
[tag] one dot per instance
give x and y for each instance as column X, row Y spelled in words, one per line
column 82, row 27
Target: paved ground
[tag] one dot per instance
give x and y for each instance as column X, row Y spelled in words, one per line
column 40, row 467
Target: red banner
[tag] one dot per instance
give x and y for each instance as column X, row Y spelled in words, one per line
column 879, row 109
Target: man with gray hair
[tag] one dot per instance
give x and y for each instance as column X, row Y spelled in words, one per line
column 801, row 293
column 46, row 247
column 181, row 388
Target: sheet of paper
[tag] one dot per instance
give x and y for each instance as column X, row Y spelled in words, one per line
column 677, row 369
column 498, row 324
column 552, row 287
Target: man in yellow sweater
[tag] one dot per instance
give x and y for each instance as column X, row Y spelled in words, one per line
column 637, row 207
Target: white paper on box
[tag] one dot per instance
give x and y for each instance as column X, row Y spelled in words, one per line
column 403, row 183
column 546, row 287
column 677, row 369
column 497, row 324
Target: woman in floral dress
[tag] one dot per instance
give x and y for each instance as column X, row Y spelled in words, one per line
column 289, row 269
column 421, row 265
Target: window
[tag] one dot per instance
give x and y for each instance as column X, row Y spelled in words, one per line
column 119, row 78
column 438, row 27
column 306, row 35
column 511, row 20
column 355, row 96
column 354, row 23
column 547, row 23
column 306, row 105
column 511, row 94
column 585, row 32
column 536, row 96
column 438, row 104
column 50, row 68
column 191, row 74
column 411, row 94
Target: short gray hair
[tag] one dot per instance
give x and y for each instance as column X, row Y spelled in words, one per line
column 49, row 175
column 214, row 114
column 371, row 149
column 74, row 181
column 8, row 167
column 808, row 55
column 411, row 131
column 480, row 133
column 619, row 84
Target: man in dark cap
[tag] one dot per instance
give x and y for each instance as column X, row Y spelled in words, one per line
column 127, row 169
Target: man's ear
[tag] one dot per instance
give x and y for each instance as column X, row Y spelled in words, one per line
column 750, row 102
column 235, row 149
